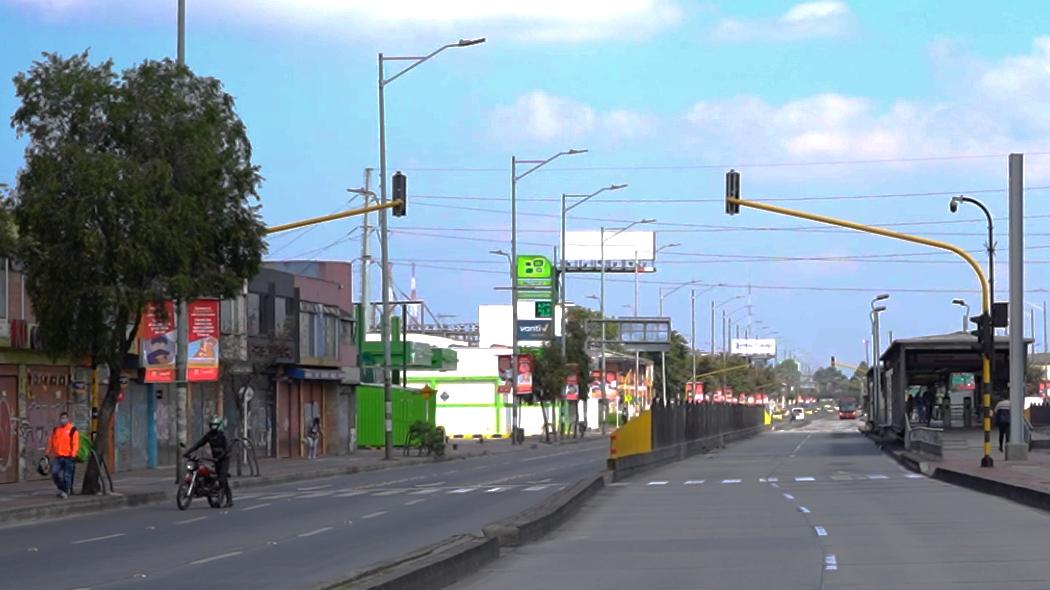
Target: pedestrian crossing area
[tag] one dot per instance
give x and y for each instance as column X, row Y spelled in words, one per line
column 414, row 492
column 777, row 479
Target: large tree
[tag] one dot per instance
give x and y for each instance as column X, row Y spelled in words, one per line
column 137, row 187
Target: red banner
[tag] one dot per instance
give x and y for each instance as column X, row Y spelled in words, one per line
column 524, row 373
column 158, row 342
column 202, row 361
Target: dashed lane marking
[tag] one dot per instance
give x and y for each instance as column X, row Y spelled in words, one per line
column 731, row 481
column 429, row 485
column 878, row 476
column 694, row 482
column 316, row 494
column 535, row 488
column 495, row 490
column 189, row 520
column 373, row 515
column 821, row 531
column 345, row 494
column 805, row 478
column 803, row 510
column 216, row 557
column 414, row 502
column 316, row 532
column 102, row 538
column 830, row 563
column 914, row 476
column 388, row 493
column 280, row 496
column 425, row 491
column 312, row 488
column 788, row 496
column 461, row 491
column 657, row 483
column 256, row 507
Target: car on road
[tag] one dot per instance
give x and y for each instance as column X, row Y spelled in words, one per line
column 798, row 414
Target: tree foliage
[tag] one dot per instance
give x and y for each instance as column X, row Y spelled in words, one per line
column 136, row 187
column 830, row 382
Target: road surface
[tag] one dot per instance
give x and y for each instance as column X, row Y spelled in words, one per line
column 292, row 536
column 816, row 507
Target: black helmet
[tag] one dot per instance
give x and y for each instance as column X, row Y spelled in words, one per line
column 215, row 422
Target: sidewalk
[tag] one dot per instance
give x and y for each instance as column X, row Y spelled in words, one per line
column 1027, row 481
column 36, row 500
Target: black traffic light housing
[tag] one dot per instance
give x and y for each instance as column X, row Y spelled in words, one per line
column 985, row 334
column 400, row 193
column 732, row 192
column 832, row 361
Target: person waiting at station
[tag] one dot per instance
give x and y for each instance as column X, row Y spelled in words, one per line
column 1002, row 421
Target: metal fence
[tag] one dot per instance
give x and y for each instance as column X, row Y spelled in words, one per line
column 680, row 423
column 1040, row 415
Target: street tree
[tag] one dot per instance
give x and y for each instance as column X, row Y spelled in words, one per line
column 830, row 382
column 136, row 187
column 679, row 367
column 548, row 380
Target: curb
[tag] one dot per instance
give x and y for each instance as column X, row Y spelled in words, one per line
column 115, row 501
column 457, row 557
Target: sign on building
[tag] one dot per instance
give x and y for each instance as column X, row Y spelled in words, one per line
column 754, row 347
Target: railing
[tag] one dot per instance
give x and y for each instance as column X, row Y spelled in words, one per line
column 1040, row 415
column 680, row 423
column 924, row 439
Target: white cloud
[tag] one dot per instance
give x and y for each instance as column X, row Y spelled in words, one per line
column 823, row 18
column 527, row 21
column 542, row 117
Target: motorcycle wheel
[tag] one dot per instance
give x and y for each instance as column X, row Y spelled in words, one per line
column 215, row 499
column 184, row 496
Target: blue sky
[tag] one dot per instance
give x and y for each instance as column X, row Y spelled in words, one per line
column 813, row 99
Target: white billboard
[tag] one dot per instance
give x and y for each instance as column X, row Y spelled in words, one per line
column 584, row 251
column 753, row 346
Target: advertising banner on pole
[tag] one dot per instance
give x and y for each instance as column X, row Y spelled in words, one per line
column 753, row 346
column 157, row 335
column 202, row 362
column 524, row 374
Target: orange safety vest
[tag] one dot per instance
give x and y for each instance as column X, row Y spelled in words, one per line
column 65, row 442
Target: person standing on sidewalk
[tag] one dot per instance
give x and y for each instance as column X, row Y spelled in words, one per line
column 62, row 447
column 313, row 436
column 1002, row 421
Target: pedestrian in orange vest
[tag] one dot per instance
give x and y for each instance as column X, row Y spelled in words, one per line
column 63, row 448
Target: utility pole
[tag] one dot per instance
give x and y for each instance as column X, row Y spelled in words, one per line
column 603, row 409
column 637, row 359
column 181, row 319
column 1017, row 449
column 366, row 260
column 712, row 329
column 692, row 314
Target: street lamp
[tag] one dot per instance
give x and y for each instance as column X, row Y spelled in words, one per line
column 564, row 211
column 385, row 336
column 1043, row 309
column 953, row 206
column 692, row 315
column 874, row 316
column 966, row 314
column 602, row 239
column 514, row 178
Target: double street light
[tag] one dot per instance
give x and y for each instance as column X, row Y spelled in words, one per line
column 966, row 313
column 876, row 407
column 416, row 61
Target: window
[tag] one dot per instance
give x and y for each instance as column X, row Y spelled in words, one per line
column 331, row 336
column 253, row 313
column 4, row 285
column 282, row 320
column 346, row 332
column 306, row 333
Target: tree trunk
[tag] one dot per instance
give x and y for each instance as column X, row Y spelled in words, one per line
column 102, row 436
column 546, row 427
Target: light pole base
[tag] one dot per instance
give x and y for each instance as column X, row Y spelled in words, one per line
column 1016, row 452
column 986, row 461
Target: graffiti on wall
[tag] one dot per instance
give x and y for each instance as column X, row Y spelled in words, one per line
column 8, row 433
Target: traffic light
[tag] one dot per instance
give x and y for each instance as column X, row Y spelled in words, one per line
column 985, row 334
column 732, row 192
column 400, row 194
column 832, row 361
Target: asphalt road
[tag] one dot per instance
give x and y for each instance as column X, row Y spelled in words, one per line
column 818, row 507
column 293, row 536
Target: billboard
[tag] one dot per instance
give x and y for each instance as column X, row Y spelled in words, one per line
column 158, row 342
column 584, row 251
column 754, row 346
column 524, row 381
column 202, row 362
column 535, row 330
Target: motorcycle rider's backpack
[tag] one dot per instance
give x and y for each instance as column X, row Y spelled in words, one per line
column 84, row 450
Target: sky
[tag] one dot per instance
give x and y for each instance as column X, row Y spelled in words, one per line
column 877, row 112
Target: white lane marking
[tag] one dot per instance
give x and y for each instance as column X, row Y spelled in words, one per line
column 277, row 496
column 247, row 496
column 425, row 491
column 256, row 507
column 429, row 485
column 788, row 496
column 821, row 531
column 414, row 502
column 103, row 538
column 914, row 476
column 388, row 493
column 450, row 472
column 694, row 482
column 373, row 515
column 189, row 520
column 462, row 491
column 775, row 485
column 805, row 478
column 216, row 557
column 879, row 476
column 773, row 479
column 842, row 477
column 317, row 532
column 620, row 484
column 316, row 494
column 730, row 481
column 803, row 510
column 535, row 488
column 800, row 445
column 312, row 488
column 495, row 490
column 830, row 563
column 345, row 494
column 657, row 483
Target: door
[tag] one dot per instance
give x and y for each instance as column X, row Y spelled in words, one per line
column 47, row 396
column 8, row 429
column 313, row 407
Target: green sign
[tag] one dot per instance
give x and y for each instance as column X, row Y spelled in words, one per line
column 533, row 270
column 544, row 309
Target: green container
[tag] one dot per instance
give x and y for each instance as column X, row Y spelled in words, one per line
column 408, row 407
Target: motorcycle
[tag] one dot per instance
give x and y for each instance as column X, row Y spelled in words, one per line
column 199, row 481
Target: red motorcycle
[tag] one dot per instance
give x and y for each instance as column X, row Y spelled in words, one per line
column 200, row 481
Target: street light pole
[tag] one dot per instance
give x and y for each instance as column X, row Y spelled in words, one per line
column 966, row 313
column 878, row 408
column 388, row 414
column 603, row 409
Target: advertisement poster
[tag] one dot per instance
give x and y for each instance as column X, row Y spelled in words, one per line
column 158, row 342
column 572, row 387
column 524, row 374
column 202, row 361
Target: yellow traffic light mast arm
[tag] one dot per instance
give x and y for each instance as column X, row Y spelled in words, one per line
column 333, row 217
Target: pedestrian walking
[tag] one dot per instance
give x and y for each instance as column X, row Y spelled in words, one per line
column 929, row 400
column 313, row 436
column 63, row 447
column 1002, row 421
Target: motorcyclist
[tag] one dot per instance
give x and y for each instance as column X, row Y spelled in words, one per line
column 220, row 453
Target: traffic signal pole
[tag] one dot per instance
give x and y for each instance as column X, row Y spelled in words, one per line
column 734, row 202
